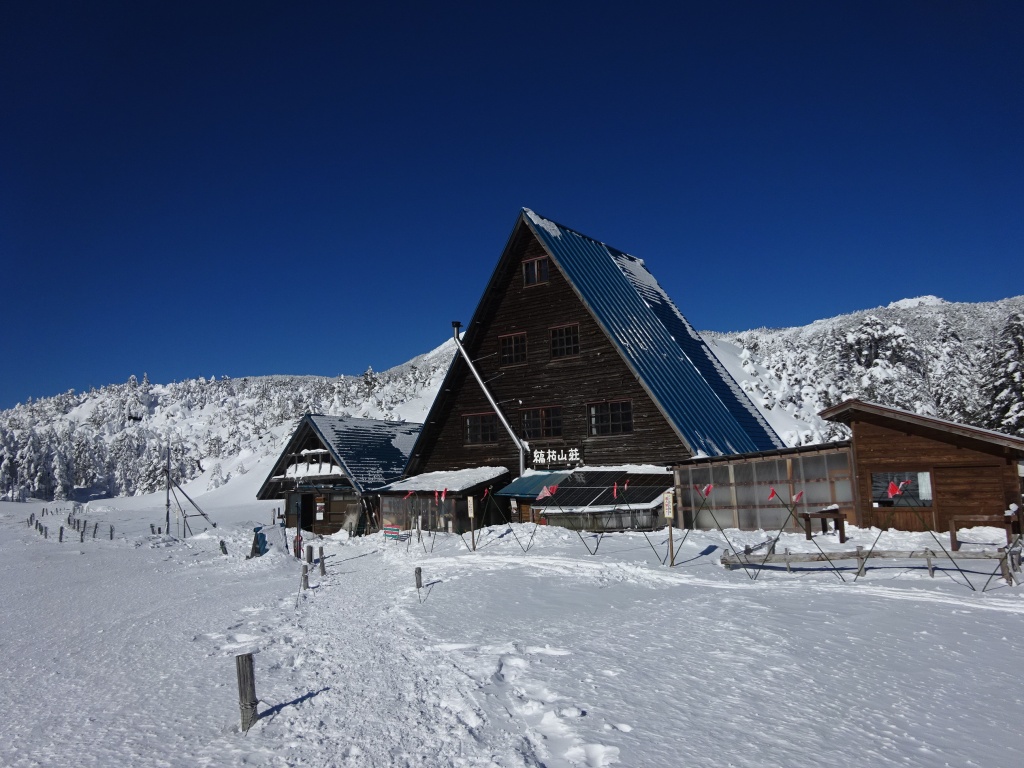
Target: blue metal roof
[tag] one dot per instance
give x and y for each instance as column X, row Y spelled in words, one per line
column 372, row 452
column 698, row 396
column 529, row 485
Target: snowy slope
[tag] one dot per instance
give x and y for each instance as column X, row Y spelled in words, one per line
column 121, row 652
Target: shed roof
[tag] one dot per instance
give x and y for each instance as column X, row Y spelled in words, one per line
column 533, row 482
column 849, row 411
column 453, row 481
column 367, row 452
column 607, row 489
column 701, row 400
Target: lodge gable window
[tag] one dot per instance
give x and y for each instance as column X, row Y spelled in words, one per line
column 565, row 341
column 542, row 422
column 536, row 271
column 512, row 349
column 611, row 418
column 481, row 428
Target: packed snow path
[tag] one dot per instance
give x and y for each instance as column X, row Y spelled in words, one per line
column 121, row 653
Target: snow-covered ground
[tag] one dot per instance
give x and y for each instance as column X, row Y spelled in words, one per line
column 120, row 653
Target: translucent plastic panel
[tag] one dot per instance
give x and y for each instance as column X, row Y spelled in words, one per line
column 813, row 468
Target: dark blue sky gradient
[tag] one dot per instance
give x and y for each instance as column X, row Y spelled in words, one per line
column 249, row 188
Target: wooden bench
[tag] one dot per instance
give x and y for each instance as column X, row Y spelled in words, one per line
column 1012, row 524
column 838, row 518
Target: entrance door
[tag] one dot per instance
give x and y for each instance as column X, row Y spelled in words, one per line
column 967, row 491
column 308, row 511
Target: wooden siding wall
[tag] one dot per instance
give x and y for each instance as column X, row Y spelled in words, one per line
column 966, row 478
column 597, row 374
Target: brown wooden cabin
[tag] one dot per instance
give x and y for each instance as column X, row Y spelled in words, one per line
column 434, row 499
column 331, row 468
column 950, row 469
column 590, row 362
column 939, row 468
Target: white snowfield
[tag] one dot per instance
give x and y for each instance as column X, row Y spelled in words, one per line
column 121, row 653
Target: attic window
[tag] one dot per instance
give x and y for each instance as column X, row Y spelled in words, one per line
column 535, row 271
column 542, row 422
column 565, row 341
column 481, row 428
column 611, row 418
column 512, row 349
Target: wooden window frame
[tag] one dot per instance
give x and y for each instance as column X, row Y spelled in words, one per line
column 468, row 430
column 615, row 426
column 561, row 343
column 531, row 271
column 549, row 421
column 513, row 358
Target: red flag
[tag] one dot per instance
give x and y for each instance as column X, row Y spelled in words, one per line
column 773, row 494
column 435, row 497
column 625, row 485
column 708, row 489
column 615, row 490
column 444, row 494
column 486, row 491
column 798, row 497
column 894, row 490
column 407, row 495
column 548, row 491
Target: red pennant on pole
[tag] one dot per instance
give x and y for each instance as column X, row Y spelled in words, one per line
column 486, row 491
column 444, row 494
column 708, row 489
column 435, row 497
column 625, row 485
column 407, row 495
column 798, row 497
column 615, row 490
column 773, row 494
column 894, row 490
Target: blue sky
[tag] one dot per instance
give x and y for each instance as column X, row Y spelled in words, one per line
column 250, row 188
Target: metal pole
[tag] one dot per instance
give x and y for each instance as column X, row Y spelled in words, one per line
column 490, row 399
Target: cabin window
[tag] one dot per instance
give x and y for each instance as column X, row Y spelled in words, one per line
column 481, row 428
column 612, row 418
column 901, row 489
column 542, row 422
column 565, row 341
column 512, row 349
column 536, row 271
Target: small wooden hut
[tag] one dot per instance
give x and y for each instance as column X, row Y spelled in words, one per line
column 332, row 467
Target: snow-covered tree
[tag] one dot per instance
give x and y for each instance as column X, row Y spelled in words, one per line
column 1004, row 385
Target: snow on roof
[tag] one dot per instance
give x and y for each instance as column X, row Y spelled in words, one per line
column 453, row 480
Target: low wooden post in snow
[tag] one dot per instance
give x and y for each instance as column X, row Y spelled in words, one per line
column 928, row 561
column 111, row 531
column 860, row 561
column 95, row 527
column 309, row 553
column 305, row 576
column 60, row 535
column 323, row 567
column 246, row 689
column 81, row 535
column 223, row 547
column 1004, row 566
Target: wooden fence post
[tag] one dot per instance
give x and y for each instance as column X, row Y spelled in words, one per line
column 246, row 689
column 323, row 567
column 60, row 536
column 46, row 532
column 223, row 547
column 1004, row 566
column 111, row 531
column 81, row 535
column 309, row 553
column 305, row 576
column 95, row 527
